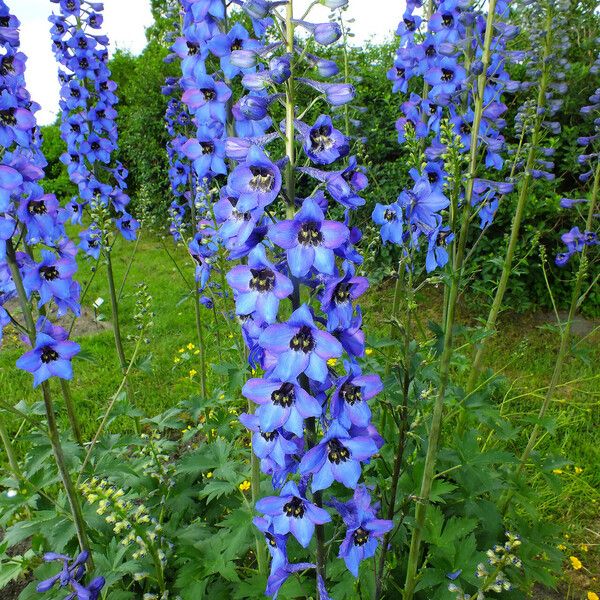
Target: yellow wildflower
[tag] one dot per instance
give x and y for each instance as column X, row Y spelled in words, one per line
column 191, row 346
column 192, row 373
column 332, row 362
column 592, row 596
column 196, row 351
column 181, row 350
column 584, row 547
column 244, row 486
column 579, row 470
column 209, row 475
column 369, row 351
column 575, row 563
column 557, row 471
column 562, row 547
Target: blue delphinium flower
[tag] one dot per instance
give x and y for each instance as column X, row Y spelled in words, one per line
column 364, row 529
column 30, row 217
column 310, row 239
column 292, row 513
column 88, row 127
column 70, row 576
column 337, row 457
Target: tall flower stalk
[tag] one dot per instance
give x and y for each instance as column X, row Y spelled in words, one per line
column 545, row 70
column 312, row 424
column 37, row 259
column 448, row 131
column 579, row 244
column 87, row 102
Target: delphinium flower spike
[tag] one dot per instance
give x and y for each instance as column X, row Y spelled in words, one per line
column 37, row 259
column 88, row 128
column 312, row 424
column 451, row 131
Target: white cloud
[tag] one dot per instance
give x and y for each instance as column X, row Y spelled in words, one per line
column 125, row 22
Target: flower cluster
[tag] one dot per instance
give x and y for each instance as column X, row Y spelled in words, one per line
column 70, row 576
column 312, row 426
column 575, row 239
column 36, row 257
column 493, row 578
column 129, row 519
column 444, row 52
column 87, row 102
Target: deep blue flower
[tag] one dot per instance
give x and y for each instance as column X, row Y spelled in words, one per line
column 389, row 218
column 298, row 346
column 256, row 182
column 50, row 357
column 338, row 295
column 281, row 404
column 51, row 277
column 323, row 143
column 208, row 99
column 337, row 457
column 259, row 287
column 309, row 239
column 363, row 529
column 352, row 392
column 292, row 513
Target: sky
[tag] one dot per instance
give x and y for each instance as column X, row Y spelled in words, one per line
column 125, row 22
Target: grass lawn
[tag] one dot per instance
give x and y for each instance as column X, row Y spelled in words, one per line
column 524, row 350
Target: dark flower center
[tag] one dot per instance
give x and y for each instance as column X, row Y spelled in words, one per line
column 351, row 393
column 342, row 293
column 303, row 340
column 263, row 280
column 237, row 44
column 82, row 43
column 442, row 237
column 207, row 147
column 104, row 86
column 8, row 66
column 75, row 93
column 4, row 21
column 93, row 19
column 84, row 63
column 95, row 146
column 284, row 396
column 126, row 224
column 447, row 20
column 360, row 537
column 430, row 51
column 389, row 215
column 465, row 127
column 70, row 5
column 49, row 273
column 269, row 436
column 432, row 108
column 240, row 216
column 447, row 74
column 48, row 354
column 208, row 94
column 320, row 138
column 432, row 177
column 37, row 207
column 336, row 453
column 60, row 28
column 310, row 234
column 74, row 158
column 8, row 116
column 270, row 539
column 192, row 48
column 262, row 179
column 75, row 128
column 101, row 114
column 400, row 71
column 294, row 508
column 410, row 24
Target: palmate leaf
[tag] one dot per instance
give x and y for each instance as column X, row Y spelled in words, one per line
column 8, row 571
column 216, row 488
column 251, row 587
column 239, row 530
column 206, row 458
column 43, row 520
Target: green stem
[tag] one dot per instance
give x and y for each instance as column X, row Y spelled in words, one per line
column 71, row 412
column 518, row 216
column 129, row 264
column 436, row 425
column 53, row 433
column 10, row 451
column 114, row 307
column 563, row 349
column 197, row 307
